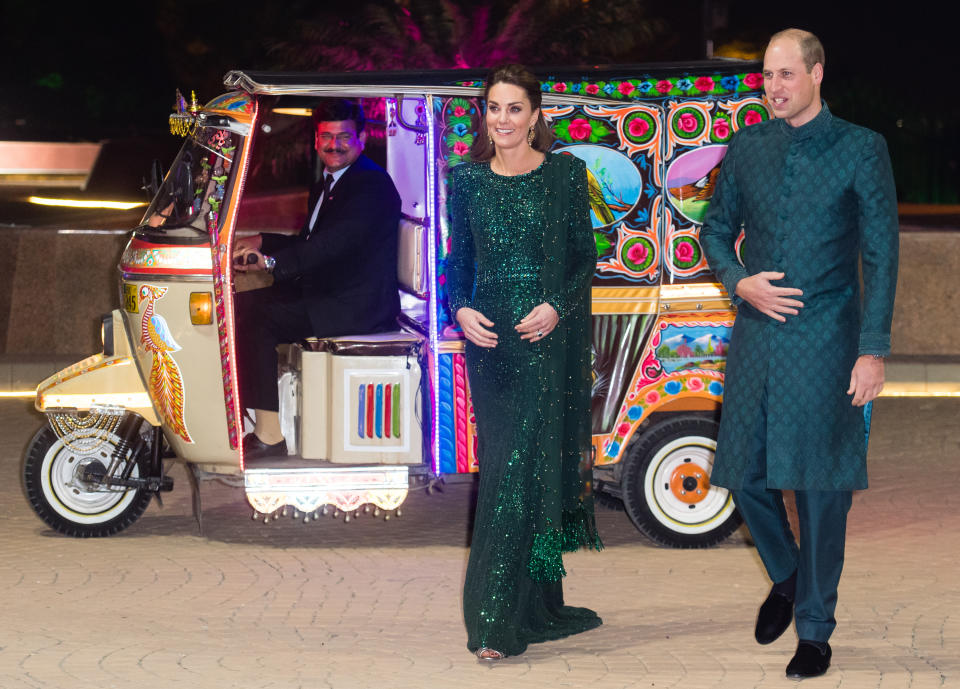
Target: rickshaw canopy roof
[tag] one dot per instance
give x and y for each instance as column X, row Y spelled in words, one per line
column 468, row 82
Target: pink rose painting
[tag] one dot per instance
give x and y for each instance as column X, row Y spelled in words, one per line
column 753, row 80
column 687, row 123
column 637, row 253
column 664, row 86
column 623, row 429
column 638, row 127
column 653, row 397
column 460, row 148
column 694, row 384
column 752, row 117
column 704, row 84
column 683, row 251
column 626, row 88
column 560, row 87
column 721, row 128
column 592, row 89
column 459, row 111
column 579, row 129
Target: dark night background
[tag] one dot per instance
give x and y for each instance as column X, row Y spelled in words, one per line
column 101, row 70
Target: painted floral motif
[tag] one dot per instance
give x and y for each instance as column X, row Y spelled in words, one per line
column 688, row 123
column 751, row 114
column 686, row 252
column 637, row 254
column 637, row 89
column 721, row 130
column 459, row 136
column 753, row 81
column 640, row 127
column 704, row 84
column 581, row 130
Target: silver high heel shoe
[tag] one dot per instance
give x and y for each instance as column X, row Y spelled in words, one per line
column 489, row 655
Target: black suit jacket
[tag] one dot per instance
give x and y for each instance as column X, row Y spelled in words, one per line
column 346, row 269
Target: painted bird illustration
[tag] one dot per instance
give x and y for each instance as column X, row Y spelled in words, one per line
column 597, row 203
column 166, row 382
column 701, row 190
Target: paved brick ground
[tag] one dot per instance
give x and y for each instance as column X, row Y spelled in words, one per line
column 374, row 604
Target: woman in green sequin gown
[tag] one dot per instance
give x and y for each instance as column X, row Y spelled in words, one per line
column 518, row 280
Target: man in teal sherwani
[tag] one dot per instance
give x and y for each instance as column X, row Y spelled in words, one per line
column 815, row 196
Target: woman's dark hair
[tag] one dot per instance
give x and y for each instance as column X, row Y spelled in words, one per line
column 338, row 110
column 518, row 75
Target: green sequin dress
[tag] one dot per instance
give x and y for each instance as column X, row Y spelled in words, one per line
column 516, row 243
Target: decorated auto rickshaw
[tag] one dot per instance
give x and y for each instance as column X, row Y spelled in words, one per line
column 367, row 416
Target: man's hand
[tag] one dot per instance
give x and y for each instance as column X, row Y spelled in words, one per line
column 539, row 323
column 245, row 247
column 472, row 323
column 769, row 299
column 866, row 380
column 243, row 263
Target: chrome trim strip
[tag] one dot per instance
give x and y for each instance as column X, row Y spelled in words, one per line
column 154, row 277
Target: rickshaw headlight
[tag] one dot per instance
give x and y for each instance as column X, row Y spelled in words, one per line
column 201, row 308
column 106, row 334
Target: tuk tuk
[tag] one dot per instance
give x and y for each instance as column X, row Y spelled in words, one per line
column 368, row 416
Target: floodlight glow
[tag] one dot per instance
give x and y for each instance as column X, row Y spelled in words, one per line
column 78, row 203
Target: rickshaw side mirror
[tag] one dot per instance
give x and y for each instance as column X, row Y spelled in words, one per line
column 152, row 185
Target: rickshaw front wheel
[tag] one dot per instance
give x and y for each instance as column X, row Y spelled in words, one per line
column 55, row 480
column 666, row 485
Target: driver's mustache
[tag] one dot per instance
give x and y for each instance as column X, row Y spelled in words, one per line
column 334, row 150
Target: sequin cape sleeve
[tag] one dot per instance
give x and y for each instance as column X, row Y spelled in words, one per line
column 460, row 263
column 879, row 244
column 722, row 224
column 581, row 258
column 566, row 519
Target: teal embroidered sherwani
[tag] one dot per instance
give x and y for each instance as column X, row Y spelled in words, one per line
column 812, row 200
column 815, row 202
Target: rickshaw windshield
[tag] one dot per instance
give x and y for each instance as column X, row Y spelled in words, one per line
column 193, row 191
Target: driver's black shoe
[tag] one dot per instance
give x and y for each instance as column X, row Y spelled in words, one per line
column 254, row 448
column 774, row 618
column 809, row 660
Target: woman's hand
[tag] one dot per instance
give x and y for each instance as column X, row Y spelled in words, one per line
column 539, row 323
column 474, row 325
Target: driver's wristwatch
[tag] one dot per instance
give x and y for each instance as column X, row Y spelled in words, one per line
column 268, row 263
column 876, row 357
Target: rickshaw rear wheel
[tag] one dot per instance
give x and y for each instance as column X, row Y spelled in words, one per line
column 666, row 485
column 54, row 485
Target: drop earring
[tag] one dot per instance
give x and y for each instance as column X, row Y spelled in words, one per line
column 530, row 137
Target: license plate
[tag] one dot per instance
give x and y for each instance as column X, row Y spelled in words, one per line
column 130, row 298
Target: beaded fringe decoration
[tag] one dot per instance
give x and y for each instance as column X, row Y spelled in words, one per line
column 546, row 555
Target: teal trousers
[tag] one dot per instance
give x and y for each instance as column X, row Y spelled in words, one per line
column 818, row 558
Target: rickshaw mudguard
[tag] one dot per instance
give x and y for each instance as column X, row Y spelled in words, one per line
column 101, row 380
column 97, row 381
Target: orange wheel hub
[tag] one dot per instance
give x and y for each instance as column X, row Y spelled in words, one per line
column 689, row 483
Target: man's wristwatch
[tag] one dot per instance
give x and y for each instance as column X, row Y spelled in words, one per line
column 268, row 263
column 879, row 357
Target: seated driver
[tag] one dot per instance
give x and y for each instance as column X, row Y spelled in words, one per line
column 338, row 276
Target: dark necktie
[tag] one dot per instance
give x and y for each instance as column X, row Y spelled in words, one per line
column 327, row 186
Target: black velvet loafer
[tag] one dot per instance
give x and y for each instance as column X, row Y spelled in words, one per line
column 809, row 661
column 254, row 448
column 773, row 619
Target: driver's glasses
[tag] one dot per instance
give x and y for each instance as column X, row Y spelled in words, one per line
column 343, row 138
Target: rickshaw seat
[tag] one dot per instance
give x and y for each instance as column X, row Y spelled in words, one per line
column 344, row 411
column 393, row 343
